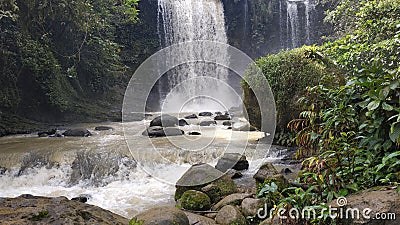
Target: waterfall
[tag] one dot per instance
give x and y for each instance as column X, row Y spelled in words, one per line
column 193, row 20
column 293, row 23
column 298, row 22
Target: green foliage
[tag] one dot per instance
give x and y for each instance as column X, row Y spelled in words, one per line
column 289, row 73
column 134, row 221
column 40, row 216
column 61, row 56
column 350, row 125
column 355, row 127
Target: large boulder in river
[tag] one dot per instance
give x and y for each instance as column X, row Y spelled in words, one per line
column 202, row 175
column 164, row 121
column 234, row 161
column 207, row 123
column 163, row 216
column 195, row 200
column 162, row 132
column 77, row 133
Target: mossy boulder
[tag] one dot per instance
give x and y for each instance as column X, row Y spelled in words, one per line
column 195, row 200
column 202, row 175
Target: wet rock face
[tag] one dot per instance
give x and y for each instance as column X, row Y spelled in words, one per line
column 29, row 209
column 163, row 216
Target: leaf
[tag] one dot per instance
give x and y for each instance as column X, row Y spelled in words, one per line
column 390, row 156
column 387, row 107
column 384, row 93
column 394, row 132
column 373, row 105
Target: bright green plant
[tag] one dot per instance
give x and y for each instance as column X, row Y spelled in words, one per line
column 134, row 221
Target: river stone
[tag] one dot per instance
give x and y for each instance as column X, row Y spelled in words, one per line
column 205, row 114
column 250, row 206
column 163, row 216
column 162, row 131
column 207, row 123
column 199, row 220
column 381, row 200
column 201, row 175
column 3, row 170
column 232, row 160
column 227, row 123
column 164, row 121
column 229, row 215
column 102, row 128
column 266, row 171
column 183, row 122
column 27, row 208
column 77, row 133
column 268, row 174
column 234, row 174
column 193, row 116
column 195, row 200
column 222, row 117
column 233, row 199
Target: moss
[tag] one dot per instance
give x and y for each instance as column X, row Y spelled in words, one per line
column 40, row 216
column 226, row 185
column 195, row 200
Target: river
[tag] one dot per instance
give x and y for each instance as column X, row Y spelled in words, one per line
column 102, row 167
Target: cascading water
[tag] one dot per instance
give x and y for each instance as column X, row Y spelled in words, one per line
column 195, row 85
column 298, row 22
